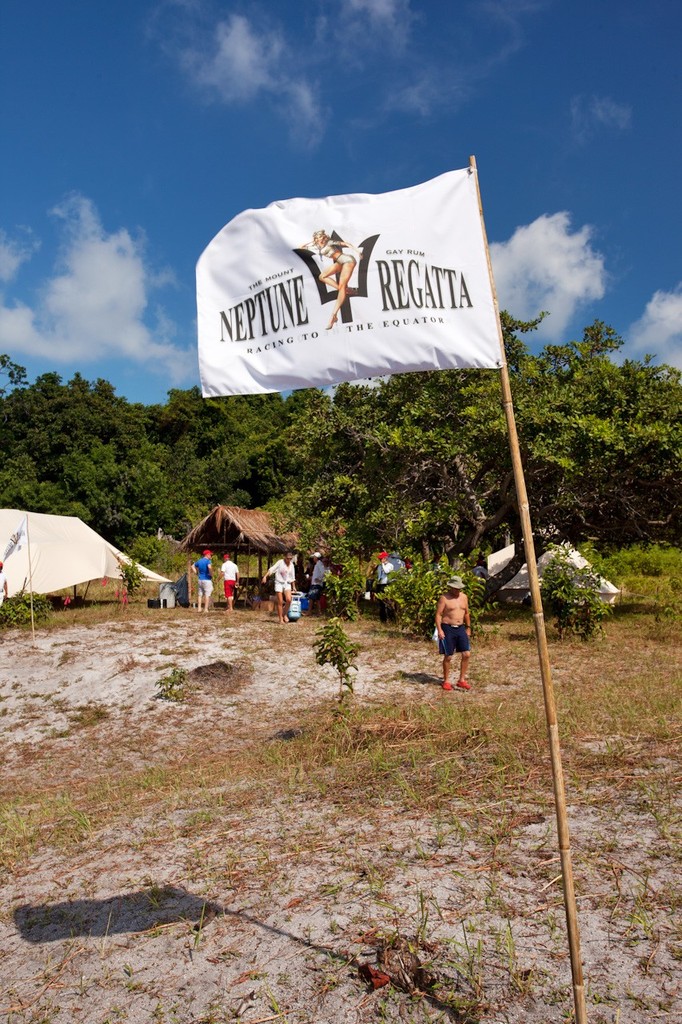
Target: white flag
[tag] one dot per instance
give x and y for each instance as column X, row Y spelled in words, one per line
column 311, row 292
column 17, row 539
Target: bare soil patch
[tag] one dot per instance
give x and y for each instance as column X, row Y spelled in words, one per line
column 247, row 855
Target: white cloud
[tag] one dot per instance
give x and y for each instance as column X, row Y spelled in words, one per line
column 239, row 63
column 367, row 22
column 13, row 253
column 423, row 83
column 424, row 93
column 544, row 266
column 380, row 10
column 591, row 114
column 95, row 305
column 659, row 329
column 315, row 64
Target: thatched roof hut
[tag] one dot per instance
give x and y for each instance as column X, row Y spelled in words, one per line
column 242, row 530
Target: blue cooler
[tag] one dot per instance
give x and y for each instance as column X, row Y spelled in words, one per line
column 305, row 603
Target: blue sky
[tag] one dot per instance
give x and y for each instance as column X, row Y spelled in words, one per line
column 132, row 132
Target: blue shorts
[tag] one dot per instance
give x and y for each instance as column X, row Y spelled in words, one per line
column 456, row 640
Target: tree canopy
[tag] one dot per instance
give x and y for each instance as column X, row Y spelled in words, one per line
column 424, row 458
column 419, row 461
column 128, row 469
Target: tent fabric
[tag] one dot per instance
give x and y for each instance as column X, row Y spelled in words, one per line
column 518, row 588
column 227, row 528
column 64, row 553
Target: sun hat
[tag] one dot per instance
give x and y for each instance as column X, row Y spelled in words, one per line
column 317, row 554
column 207, row 553
column 456, row 583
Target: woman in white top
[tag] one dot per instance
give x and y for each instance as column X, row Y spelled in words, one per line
column 284, row 572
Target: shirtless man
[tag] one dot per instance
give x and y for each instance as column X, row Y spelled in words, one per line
column 453, row 625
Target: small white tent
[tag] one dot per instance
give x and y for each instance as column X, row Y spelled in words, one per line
column 64, row 552
column 518, row 588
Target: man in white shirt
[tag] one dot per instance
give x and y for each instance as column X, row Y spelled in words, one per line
column 230, row 579
column 284, row 572
column 384, row 569
column 318, row 574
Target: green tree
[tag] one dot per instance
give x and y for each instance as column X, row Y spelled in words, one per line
column 423, row 459
column 13, row 373
column 126, row 469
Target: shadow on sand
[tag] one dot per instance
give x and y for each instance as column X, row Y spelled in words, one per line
column 423, row 678
column 146, row 909
column 132, row 912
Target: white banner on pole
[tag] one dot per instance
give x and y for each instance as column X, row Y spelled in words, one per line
column 311, row 292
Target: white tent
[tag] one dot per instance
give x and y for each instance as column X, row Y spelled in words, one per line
column 518, row 588
column 64, row 552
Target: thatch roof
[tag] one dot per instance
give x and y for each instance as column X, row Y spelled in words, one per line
column 227, row 528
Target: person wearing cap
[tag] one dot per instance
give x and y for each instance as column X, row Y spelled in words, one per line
column 230, row 579
column 453, row 625
column 3, row 585
column 202, row 569
column 318, row 574
column 284, row 572
column 383, row 569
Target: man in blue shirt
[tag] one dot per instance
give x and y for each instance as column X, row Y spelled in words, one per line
column 202, row 569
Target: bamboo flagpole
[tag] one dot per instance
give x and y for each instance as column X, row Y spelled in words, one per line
column 543, row 656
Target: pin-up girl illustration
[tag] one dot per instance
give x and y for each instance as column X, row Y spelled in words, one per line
column 343, row 264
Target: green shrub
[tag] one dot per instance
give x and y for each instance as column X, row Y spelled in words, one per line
column 173, row 686
column 572, row 596
column 16, row 611
column 333, row 647
column 161, row 556
column 639, row 560
column 344, row 591
column 652, row 572
column 132, row 577
column 146, row 550
column 415, row 592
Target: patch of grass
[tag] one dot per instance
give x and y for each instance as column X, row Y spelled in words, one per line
column 129, row 663
column 420, row 755
column 413, row 787
column 89, row 714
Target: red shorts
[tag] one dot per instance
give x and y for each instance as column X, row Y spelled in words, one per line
column 229, row 588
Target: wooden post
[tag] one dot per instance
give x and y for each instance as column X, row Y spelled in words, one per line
column 189, row 580
column 543, row 656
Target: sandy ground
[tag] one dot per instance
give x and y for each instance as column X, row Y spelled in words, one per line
column 117, row 666
column 285, row 912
